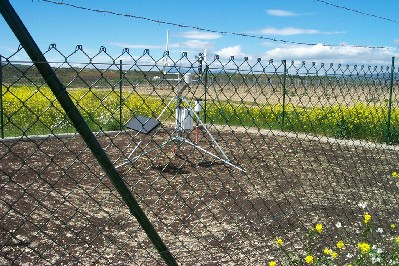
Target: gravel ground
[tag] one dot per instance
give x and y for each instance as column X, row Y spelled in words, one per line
column 58, row 207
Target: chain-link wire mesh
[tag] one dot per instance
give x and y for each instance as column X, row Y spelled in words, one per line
column 244, row 153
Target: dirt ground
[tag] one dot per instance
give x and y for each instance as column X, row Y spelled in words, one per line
column 58, row 207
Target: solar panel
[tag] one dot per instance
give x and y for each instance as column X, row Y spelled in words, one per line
column 143, row 124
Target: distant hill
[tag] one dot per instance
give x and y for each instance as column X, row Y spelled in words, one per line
column 19, row 75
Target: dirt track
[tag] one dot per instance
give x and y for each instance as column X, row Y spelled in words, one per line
column 58, row 207
column 298, row 94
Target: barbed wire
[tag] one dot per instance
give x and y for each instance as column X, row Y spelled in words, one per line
column 357, row 11
column 181, row 25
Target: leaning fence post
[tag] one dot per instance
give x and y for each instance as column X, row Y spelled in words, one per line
column 1, row 98
column 284, row 93
column 120, row 94
column 388, row 133
column 48, row 74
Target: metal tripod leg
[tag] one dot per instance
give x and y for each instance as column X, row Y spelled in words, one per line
column 128, row 160
column 213, row 155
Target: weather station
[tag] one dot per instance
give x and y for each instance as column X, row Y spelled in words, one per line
column 184, row 116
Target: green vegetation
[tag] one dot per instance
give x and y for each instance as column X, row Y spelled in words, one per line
column 31, row 111
column 361, row 121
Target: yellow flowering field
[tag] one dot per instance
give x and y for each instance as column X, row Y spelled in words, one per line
column 360, row 121
column 29, row 110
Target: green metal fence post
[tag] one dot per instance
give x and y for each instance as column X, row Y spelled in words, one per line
column 48, row 74
column 205, row 90
column 388, row 133
column 284, row 93
column 1, row 98
column 120, row 94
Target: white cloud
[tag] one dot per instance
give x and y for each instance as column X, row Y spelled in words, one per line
column 294, row 31
column 197, row 45
column 232, row 51
column 270, row 44
column 287, row 31
column 137, row 46
column 331, row 54
column 202, row 35
column 396, row 41
column 280, row 13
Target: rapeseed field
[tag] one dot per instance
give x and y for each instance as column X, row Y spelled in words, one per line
column 31, row 111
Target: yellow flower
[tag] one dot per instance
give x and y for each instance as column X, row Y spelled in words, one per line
column 279, row 242
column 393, row 226
column 327, row 251
column 340, row 244
column 334, row 255
column 364, row 247
column 319, row 228
column 367, row 218
column 272, row 263
column 394, row 174
column 309, row 259
column 397, row 240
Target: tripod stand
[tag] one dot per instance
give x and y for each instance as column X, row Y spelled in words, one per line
column 183, row 121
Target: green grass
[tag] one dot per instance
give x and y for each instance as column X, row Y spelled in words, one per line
column 32, row 111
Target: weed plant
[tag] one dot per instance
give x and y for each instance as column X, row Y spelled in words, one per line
column 361, row 252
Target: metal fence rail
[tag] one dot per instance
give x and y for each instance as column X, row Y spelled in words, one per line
column 276, row 149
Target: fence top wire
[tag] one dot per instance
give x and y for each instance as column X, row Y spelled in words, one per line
column 358, row 11
column 181, row 25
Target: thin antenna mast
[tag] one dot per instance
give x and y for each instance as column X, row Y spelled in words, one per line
column 166, row 53
column 167, row 40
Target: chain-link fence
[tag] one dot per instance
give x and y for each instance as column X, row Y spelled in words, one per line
column 224, row 157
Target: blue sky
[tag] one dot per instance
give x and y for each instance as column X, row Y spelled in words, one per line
column 283, row 24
